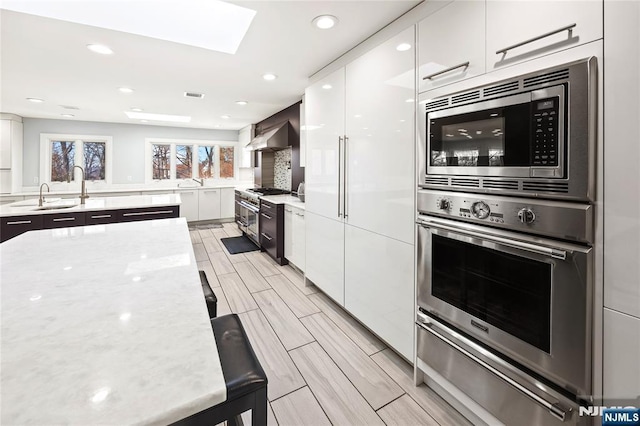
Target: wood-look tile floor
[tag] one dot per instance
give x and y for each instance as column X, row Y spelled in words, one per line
column 323, row 366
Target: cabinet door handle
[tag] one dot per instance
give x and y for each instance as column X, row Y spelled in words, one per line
column 19, row 222
column 64, row 219
column 464, row 65
column 100, row 216
column 339, row 171
column 210, row 192
column 300, row 214
column 346, row 173
column 531, row 40
column 266, row 236
column 266, row 215
column 147, row 213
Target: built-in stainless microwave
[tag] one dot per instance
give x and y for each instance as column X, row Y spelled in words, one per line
column 531, row 135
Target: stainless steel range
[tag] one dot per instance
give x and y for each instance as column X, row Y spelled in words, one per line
column 505, row 275
column 248, row 209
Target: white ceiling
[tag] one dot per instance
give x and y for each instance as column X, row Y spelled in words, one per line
column 48, row 59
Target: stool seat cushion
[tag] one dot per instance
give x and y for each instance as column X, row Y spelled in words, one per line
column 240, row 366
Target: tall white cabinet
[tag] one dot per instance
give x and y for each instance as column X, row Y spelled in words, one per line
column 621, row 378
column 360, row 188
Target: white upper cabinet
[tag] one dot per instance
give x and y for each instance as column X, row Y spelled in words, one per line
column 451, row 44
column 380, row 148
column 621, row 157
column 324, row 124
column 527, row 29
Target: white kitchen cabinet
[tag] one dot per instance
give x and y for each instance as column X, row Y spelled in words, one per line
column 449, row 39
column 527, row 27
column 621, row 378
column 5, row 144
column 209, row 204
column 294, row 236
column 324, row 112
column 621, row 157
column 379, row 286
column 380, row 145
column 189, row 204
column 227, row 203
column 325, row 254
column 11, row 135
column 303, row 135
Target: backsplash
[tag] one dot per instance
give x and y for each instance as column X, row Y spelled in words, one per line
column 282, row 169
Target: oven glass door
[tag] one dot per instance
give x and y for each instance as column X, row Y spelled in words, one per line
column 510, row 292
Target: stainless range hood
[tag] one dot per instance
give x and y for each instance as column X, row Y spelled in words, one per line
column 274, row 139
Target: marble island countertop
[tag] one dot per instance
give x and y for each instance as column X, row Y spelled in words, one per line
column 93, row 203
column 97, row 331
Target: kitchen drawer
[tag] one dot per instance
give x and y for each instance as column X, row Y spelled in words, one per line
column 101, row 217
column 63, row 220
column 268, row 220
column 148, row 213
column 12, row 226
column 269, row 243
column 272, row 230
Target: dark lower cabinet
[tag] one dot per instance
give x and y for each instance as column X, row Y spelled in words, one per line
column 148, row 213
column 11, row 226
column 272, row 230
column 63, row 220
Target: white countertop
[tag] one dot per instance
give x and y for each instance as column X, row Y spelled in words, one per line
column 123, row 188
column 30, row 206
column 105, row 324
column 290, row 200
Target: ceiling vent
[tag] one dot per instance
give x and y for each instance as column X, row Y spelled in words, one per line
column 194, row 95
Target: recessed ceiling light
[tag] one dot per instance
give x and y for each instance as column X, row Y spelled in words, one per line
column 402, row 47
column 324, row 22
column 68, row 115
column 269, row 77
column 409, row 100
column 217, row 125
column 327, row 86
column 358, row 115
column 35, row 100
column 242, row 102
column 144, row 121
column 137, row 109
column 226, row 117
column 125, row 90
column 158, row 117
column 100, row 48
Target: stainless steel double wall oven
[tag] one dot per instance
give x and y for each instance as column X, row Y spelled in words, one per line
column 505, row 242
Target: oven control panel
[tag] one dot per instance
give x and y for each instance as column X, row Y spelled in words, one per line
column 551, row 218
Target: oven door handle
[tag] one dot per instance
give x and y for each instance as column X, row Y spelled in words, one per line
column 249, row 207
column 534, row 248
column 427, row 324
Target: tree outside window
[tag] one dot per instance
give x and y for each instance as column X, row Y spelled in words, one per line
column 94, row 160
column 226, row 161
column 63, row 155
column 205, row 161
column 184, row 163
column 161, row 161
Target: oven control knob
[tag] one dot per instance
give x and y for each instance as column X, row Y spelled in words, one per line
column 480, row 209
column 526, row 215
column 444, row 204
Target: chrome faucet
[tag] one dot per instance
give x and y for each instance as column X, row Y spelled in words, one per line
column 83, row 191
column 200, row 181
column 41, row 199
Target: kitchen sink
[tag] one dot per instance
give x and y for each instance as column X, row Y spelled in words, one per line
column 58, row 207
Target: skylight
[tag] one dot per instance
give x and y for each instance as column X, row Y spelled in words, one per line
column 209, row 24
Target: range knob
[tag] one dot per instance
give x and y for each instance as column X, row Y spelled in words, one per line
column 444, row 204
column 526, row 215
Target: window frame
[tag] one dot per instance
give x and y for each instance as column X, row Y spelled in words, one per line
column 195, row 171
column 46, row 140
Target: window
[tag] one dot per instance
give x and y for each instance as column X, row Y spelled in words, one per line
column 183, row 159
column 226, row 161
column 60, row 153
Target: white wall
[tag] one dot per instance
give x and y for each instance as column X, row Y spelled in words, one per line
column 128, row 144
